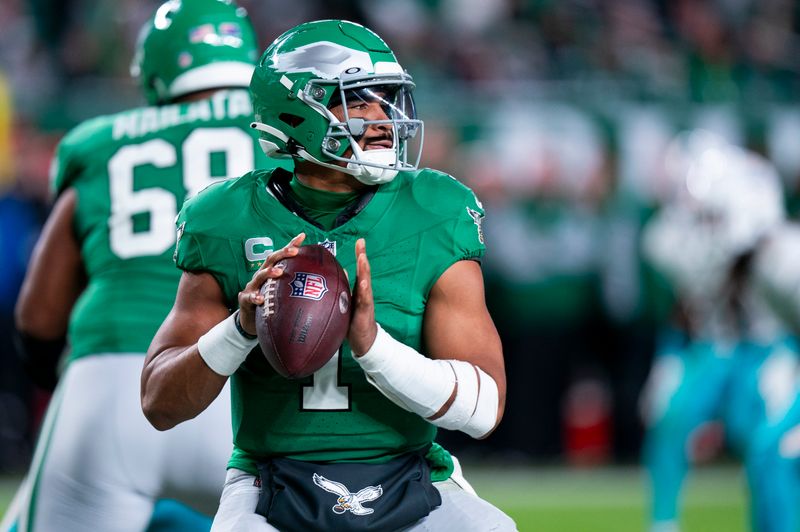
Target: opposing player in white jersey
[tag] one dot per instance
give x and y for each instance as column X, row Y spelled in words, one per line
column 773, row 459
column 736, row 365
column 102, row 275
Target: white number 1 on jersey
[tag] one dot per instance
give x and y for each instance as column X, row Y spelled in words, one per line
column 326, row 393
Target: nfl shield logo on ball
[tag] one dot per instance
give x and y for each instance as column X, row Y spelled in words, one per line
column 308, row 286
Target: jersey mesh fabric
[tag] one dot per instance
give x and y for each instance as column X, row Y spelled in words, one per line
column 415, row 228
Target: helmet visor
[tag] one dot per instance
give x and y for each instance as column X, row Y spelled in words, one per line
column 396, row 100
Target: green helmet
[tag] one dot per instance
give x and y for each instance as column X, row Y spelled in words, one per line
column 318, row 65
column 193, row 45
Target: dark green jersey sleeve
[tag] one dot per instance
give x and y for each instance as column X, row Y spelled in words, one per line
column 198, row 248
column 68, row 163
column 468, row 233
column 209, row 228
column 458, row 215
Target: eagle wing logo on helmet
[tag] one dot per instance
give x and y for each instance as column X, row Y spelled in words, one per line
column 325, row 59
column 347, row 501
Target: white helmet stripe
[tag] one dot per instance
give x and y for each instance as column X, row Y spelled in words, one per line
column 212, row 76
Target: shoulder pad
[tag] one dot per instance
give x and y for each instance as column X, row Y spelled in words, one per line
column 80, row 142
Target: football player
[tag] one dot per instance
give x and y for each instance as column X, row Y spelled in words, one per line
column 773, row 457
column 352, row 447
column 102, row 275
column 736, row 361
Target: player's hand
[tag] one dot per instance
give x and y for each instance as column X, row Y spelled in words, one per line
column 363, row 328
column 251, row 297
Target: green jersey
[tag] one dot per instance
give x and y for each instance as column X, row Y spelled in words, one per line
column 415, row 228
column 131, row 172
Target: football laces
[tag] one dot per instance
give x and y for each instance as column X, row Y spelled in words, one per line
column 269, row 295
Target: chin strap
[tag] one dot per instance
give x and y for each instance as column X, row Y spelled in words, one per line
column 373, row 175
column 376, row 171
column 369, row 175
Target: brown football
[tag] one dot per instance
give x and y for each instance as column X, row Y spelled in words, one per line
column 306, row 313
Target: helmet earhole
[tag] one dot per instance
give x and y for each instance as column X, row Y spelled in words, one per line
column 290, row 119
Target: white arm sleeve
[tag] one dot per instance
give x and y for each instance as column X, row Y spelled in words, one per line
column 423, row 385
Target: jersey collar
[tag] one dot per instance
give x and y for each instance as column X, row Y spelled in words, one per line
column 273, row 202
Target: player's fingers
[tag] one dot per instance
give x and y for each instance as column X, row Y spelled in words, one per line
column 272, row 267
column 363, row 277
column 284, row 253
column 360, row 250
column 363, row 328
column 289, row 250
column 249, row 299
column 364, row 280
column 367, row 269
column 262, row 275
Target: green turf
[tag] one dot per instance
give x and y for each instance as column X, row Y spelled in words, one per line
column 597, row 500
column 8, row 487
column 607, row 500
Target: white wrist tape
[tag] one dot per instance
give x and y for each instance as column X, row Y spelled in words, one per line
column 223, row 348
column 423, row 385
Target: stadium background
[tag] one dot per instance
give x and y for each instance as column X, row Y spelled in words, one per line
column 556, row 113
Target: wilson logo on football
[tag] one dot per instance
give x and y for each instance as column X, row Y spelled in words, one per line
column 308, row 286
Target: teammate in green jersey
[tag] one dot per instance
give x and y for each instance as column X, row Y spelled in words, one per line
column 352, row 447
column 102, row 274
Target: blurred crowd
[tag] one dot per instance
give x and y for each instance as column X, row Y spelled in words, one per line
column 557, row 113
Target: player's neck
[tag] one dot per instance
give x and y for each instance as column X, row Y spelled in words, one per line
column 328, row 179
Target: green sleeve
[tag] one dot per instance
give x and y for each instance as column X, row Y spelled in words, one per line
column 63, row 169
column 188, row 256
column 468, row 232
column 463, row 237
column 73, row 153
column 199, row 252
